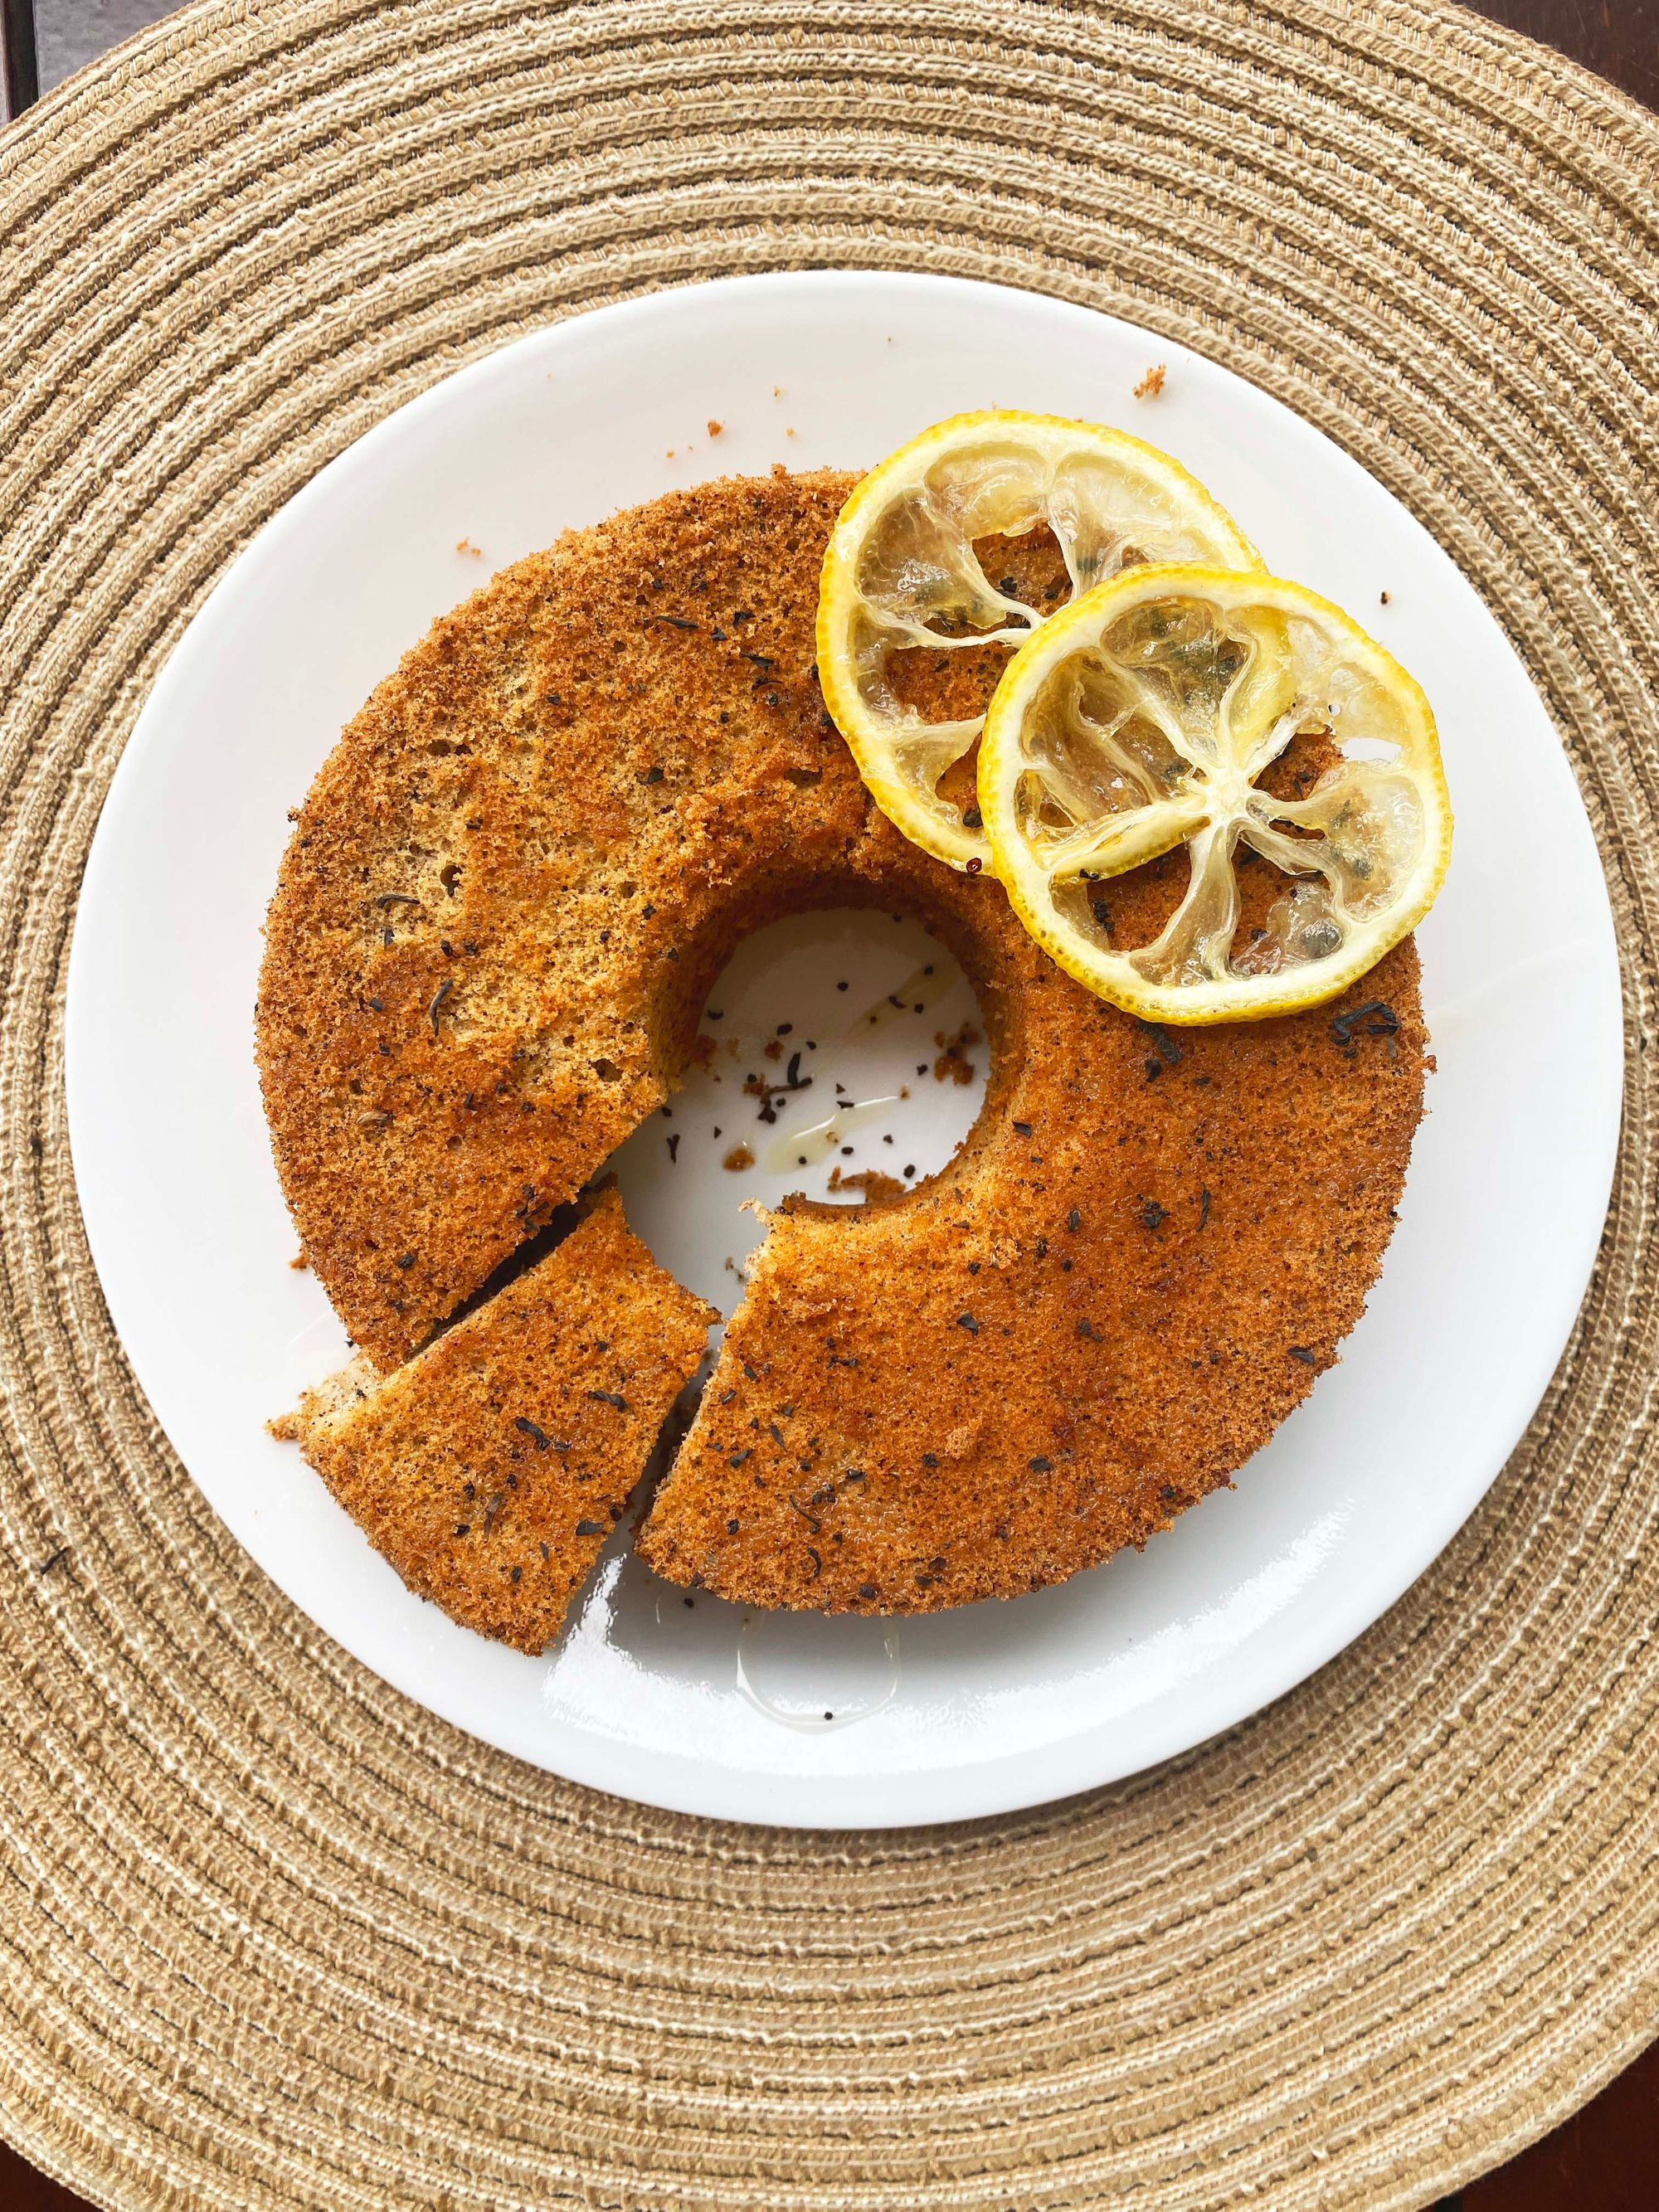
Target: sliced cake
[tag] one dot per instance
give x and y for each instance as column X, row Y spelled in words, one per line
column 491, row 1468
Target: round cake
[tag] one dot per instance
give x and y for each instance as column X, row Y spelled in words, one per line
column 504, row 903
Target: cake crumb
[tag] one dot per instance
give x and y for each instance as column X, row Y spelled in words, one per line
column 953, row 1065
column 870, row 1183
column 738, row 1159
column 465, row 545
column 714, row 428
column 298, row 1262
column 1152, row 384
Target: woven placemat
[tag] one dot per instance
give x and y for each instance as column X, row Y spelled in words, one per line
column 273, row 1936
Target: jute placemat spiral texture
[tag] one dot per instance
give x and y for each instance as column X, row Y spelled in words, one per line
column 271, row 1935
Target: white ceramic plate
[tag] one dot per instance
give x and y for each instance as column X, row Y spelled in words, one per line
column 1000, row 1705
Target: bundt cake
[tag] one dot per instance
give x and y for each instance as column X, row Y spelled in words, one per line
column 491, row 1468
column 505, row 900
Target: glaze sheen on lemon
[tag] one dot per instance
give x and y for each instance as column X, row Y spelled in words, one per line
column 902, row 575
column 1145, row 716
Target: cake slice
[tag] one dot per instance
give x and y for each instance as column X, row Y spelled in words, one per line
column 490, row 1469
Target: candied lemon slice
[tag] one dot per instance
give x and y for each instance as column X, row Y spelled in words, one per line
column 1145, row 716
column 901, row 577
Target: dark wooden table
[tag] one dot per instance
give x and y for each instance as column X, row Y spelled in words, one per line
column 1605, row 2158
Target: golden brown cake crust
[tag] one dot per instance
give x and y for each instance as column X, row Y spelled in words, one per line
column 520, row 870
column 507, row 896
column 490, row 1470
column 1152, row 1243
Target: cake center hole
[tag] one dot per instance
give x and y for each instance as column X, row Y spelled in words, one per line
column 841, row 1054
